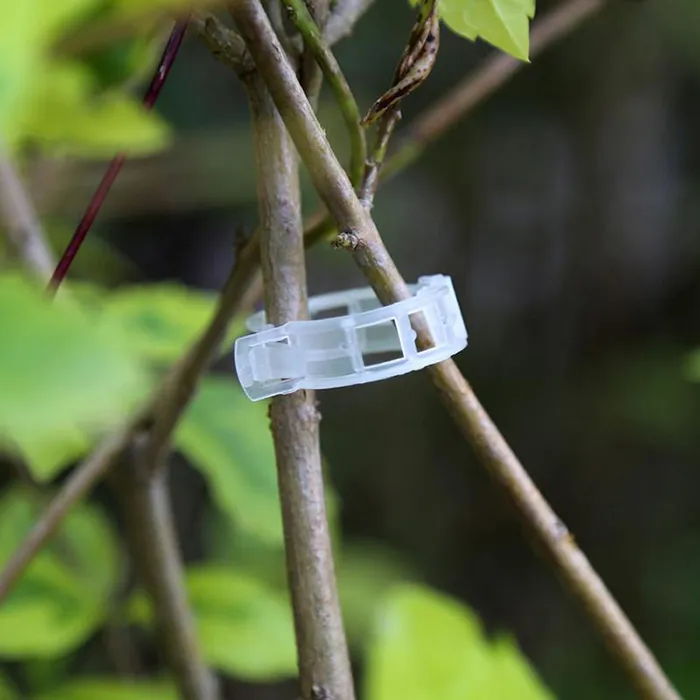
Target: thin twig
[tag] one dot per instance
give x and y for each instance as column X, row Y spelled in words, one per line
column 344, row 96
column 360, row 236
column 21, row 223
column 154, row 549
column 414, row 67
column 343, row 18
column 152, row 92
column 464, row 97
column 471, row 92
column 324, row 666
column 75, row 488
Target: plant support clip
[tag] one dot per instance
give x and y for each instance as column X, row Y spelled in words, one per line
column 350, row 346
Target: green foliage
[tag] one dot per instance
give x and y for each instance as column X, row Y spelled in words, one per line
column 244, row 626
column 366, row 572
column 429, row 646
column 57, row 102
column 227, row 437
column 111, row 689
column 161, row 320
column 503, row 23
column 63, row 596
column 56, row 368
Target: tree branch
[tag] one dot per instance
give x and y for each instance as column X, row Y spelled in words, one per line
column 20, row 221
column 343, row 18
column 154, row 549
column 360, row 236
column 224, row 43
column 324, row 666
column 341, row 90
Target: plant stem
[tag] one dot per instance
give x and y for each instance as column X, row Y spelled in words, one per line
column 152, row 92
column 22, row 225
column 341, row 90
column 464, row 97
column 361, row 237
column 471, row 92
column 153, row 544
column 324, row 666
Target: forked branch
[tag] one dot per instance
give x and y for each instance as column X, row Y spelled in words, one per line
column 363, row 240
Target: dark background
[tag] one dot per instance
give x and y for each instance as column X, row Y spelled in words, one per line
column 566, row 208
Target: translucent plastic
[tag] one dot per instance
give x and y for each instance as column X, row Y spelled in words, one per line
column 352, row 346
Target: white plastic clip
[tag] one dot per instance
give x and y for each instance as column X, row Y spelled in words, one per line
column 332, row 352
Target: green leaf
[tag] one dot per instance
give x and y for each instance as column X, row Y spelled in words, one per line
column 227, row 437
column 245, row 627
column 503, row 23
column 161, row 321
column 65, row 113
column 112, row 689
column 428, row 646
column 63, row 596
column 366, row 571
column 26, row 32
column 60, row 370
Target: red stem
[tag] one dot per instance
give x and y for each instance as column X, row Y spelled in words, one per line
column 152, row 93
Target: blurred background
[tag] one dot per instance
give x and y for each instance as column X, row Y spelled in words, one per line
column 566, row 208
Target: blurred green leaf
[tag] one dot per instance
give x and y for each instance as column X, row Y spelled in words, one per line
column 244, row 626
column 428, row 646
column 366, row 571
column 162, row 320
column 26, row 32
column 59, row 371
column 66, row 113
column 112, row 689
column 503, row 23
column 227, row 437
column 63, row 596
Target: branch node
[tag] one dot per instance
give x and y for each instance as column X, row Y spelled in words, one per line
column 347, row 240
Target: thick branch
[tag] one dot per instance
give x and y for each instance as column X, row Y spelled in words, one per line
column 324, row 666
column 362, row 238
column 151, row 534
column 343, row 18
column 24, row 232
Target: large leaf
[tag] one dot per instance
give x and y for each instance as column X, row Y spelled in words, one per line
column 366, row 571
column 228, row 439
column 112, row 689
column 503, row 23
column 245, row 627
column 162, row 320
column 59, row 371
column 66, row 114
column 26, row 30
column 63, row 596
column 428, row 646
